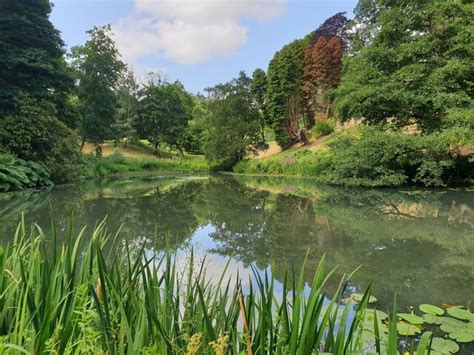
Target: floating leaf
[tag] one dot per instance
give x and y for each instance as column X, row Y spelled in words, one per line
column 457, row 330
column 431, row 319
column 461, row 313
column 411, row 318
column 369, row 314
column 357, row 298
column 408, row 329
column 430, row 309
column 444, row 346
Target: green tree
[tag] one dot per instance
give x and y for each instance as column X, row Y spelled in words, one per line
column 164, row 112
column 233, row 125
column 259, row 92
column 197, row 125
column 127, row 112
column 99, row 69
column 415, row 63
column 32, row 58
column 283, row 93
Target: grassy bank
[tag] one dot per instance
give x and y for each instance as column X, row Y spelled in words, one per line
column 95, row 295
column 368, row 156
column 117, row 163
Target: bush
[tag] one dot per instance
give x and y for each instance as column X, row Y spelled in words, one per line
column 370, row 156
column 373, row 157
column 323, row 128
column 34, row 133
column 17, row 174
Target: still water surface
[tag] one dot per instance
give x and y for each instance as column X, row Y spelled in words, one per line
column 417, row 243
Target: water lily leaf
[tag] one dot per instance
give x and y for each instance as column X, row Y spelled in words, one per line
column 357, row 298
column 408, row 329
column 431, row 319
column 462, row 337
column 369, row 314
column 444, row 346
column 460, row 313
column 411, row 318
column 430, row 309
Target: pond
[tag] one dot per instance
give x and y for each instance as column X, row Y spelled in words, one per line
column 416, row 243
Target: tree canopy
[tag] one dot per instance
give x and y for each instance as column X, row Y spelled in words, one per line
column 416, row 65
column 233, row 123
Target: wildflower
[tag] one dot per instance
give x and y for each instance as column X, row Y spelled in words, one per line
column 194, row 344
column 221, row 345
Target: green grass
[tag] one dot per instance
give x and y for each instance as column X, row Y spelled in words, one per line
column 119, row 164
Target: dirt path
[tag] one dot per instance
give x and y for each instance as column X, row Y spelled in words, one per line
column 274, row 148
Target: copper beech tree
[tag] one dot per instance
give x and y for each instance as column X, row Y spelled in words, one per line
column 321, row 72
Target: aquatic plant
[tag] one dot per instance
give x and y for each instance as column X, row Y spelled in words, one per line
column 101, row 296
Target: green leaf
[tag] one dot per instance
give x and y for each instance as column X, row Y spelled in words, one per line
column 411, row 318
column 431, row 319
column 357, row 298
column 408, row 329
column 430, row 309
column 460, row 313
column 444, row 346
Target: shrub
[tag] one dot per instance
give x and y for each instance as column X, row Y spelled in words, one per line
column 323, row 128
column 34, row 133
column 16, row 174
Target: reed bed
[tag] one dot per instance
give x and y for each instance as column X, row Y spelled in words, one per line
column 97, row 295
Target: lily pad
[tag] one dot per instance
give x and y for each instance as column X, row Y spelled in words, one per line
column 369, row 314
column 431, row 319
column 411, row 318
column 444, row 346
column 430, row 309
column 357, row 298
column 461, row 313
column 457, row 330
column 408, row 329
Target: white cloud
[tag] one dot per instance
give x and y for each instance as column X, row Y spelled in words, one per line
column 189, row 31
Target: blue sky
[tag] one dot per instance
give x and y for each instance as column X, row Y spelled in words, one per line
column 199, row 42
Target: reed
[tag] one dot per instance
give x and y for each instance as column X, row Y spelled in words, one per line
column 98, row 295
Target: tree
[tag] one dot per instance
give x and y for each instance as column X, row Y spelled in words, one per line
column 127, row 112
column 321, row 72
column 32, row 58
column 337, row 26
column 164, row 112
column 197, row 125
column 99, row 69
column 233, row 124
column 259, row 91
column 416, row 68
column 284, row 97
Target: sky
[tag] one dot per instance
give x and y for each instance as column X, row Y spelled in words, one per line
column 199, row 42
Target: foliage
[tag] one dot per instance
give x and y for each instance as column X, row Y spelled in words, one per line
column 127, row 111
column 34, row 133
column 336, row 26
column 370, row 156
column 233, row 123
column 17, row 174
column 118, row 164
column 321, row 72
column 164, row 113
column 415, row 67
column 98, row 69
column 259, row 92
column 196, row 126
column 283, row 92
column 32, row 61
column 323, row 128
column 115, row 299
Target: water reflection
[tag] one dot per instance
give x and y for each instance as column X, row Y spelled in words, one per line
column 417, row 243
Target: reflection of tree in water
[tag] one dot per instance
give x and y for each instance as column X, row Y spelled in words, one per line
column 156, row 211
column 407, row 242
column 416, row 242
